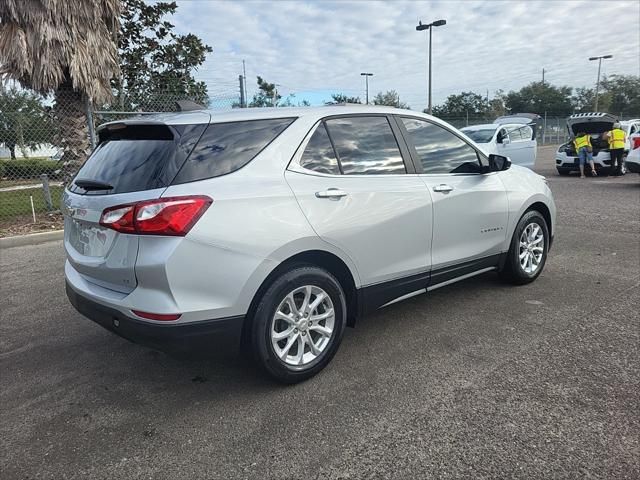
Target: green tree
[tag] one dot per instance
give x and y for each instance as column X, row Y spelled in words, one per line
column 497, row 106
column 267, row 95
column 466, row 103
column 24, row 121
column 538, row 97
column 623, row 94
column 584, row 99
column 390, row 98
column 156, row 64
column 337, row 98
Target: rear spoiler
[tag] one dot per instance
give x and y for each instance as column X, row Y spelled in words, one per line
column 188, row 106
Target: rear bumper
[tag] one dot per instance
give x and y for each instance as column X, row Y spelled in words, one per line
column 215, row 336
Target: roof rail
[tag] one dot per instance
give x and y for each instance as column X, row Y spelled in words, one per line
column 344, row 104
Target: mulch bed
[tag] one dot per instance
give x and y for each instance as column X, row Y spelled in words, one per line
column 23, row 224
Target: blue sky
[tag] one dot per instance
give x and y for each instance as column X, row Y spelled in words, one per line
column 313, row 48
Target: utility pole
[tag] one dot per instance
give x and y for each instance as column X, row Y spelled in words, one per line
column 366, row 81
column 598, row 80
column 275, row 94
column 244, row 74
column 543, row 77
column 429, row 27
column 243, row 99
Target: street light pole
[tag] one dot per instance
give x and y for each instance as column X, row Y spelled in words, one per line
column 430, row 81
column 366, row 82
column 598, row 80
column 429, row 27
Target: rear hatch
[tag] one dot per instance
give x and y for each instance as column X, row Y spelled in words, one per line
column 593, row 124
column 134, row 160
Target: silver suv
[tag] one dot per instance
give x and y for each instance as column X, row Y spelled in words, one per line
column 276, row 228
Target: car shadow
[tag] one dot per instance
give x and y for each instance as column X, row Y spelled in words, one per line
column 214, row 373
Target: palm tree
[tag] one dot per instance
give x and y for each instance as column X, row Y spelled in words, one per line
column 67, row 47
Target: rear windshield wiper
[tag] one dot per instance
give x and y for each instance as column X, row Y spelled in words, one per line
column 92, row 184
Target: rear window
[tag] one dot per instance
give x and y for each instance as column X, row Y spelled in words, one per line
column 130, row 158
column 226, row 147
column 483, row 135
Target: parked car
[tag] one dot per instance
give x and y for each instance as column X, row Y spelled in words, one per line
column 594, row 124
column 276, row 228
column 633, row 158
column 513, row 140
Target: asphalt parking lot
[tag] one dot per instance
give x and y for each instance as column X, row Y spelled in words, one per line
column 478, row 380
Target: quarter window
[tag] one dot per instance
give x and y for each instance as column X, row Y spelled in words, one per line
column 227, row 147
column 319, row 155
column 439, row 150
column 366, row 145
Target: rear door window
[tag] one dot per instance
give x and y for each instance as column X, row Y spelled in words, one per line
column 227, row 147
column 135, row 157
column 366, row 145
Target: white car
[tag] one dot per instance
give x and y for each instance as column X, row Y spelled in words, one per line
column 594, row 124
column 513, row 140
column 633, row 158
column 280, row 227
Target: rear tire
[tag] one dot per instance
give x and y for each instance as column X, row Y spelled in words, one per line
column 298, row 324
column 528, row 251
column 563, row 171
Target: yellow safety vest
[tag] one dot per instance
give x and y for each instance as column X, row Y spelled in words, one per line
column 616, row 138
column 583, row 141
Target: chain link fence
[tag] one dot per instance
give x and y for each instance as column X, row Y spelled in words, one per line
column 43, row 142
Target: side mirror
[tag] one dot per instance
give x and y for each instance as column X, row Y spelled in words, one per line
column 498, row 163
column 506, row 141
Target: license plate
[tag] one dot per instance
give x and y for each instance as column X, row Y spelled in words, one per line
column 88, row 239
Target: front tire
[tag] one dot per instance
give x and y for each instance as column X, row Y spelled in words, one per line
column 299, row 324
column 528, row 251
column 563, row 171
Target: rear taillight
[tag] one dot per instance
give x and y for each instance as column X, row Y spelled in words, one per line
column 636, row 142
column 172, row 216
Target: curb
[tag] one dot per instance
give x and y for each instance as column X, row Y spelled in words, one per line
column 31, row 239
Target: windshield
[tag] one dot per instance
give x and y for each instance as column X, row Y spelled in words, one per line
column 483, row 135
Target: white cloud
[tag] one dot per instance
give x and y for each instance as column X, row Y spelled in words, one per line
column 318, row 46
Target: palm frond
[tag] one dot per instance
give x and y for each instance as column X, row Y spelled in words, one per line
column 45, row 42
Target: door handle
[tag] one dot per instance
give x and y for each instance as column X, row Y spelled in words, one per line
column 334, row 193
column 443, row 188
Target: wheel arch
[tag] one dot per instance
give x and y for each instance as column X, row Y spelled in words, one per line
column 317, row 258
column 544, row 210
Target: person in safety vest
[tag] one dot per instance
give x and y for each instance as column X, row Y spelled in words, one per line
column 582, row 142
column 617, row 139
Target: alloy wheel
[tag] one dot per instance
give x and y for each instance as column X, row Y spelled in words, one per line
column 302, row 326
column 531, row 249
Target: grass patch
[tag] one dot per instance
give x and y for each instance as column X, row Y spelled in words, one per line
column 16, row 202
